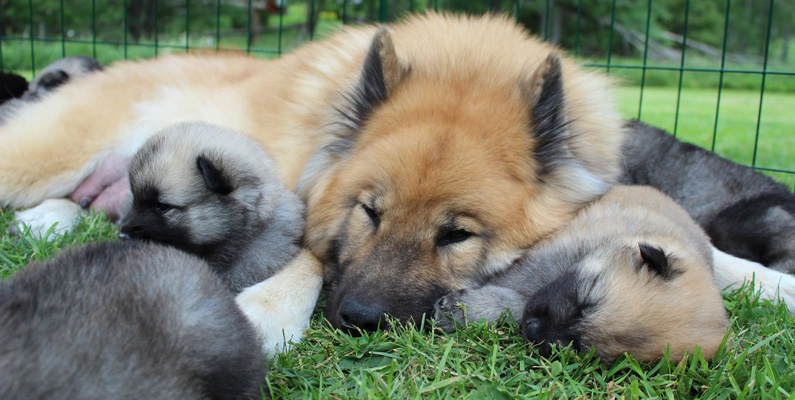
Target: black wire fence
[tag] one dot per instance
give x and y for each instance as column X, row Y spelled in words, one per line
column 713, row 72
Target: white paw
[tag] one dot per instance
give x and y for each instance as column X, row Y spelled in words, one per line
column 280, row 307
column 41, row 218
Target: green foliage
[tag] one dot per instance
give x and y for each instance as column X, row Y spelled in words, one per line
column 556, row 20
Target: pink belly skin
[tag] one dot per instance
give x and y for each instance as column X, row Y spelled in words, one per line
column 107, row 188
column 115, row 199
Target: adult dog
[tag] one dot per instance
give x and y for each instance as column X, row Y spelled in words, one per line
column 429, row 154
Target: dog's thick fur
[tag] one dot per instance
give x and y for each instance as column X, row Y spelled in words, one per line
column 440, row 148
column 125, row 320
column 217, row 194
column 631, row 273
column 745, row 213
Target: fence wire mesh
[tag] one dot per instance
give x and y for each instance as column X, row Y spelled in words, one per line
column 714, row 73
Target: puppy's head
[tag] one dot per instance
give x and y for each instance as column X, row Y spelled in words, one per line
column 59, row 73
column 637, row 298
column 203, row 189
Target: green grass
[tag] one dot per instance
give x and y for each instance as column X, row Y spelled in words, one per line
column 489, row 360
column 702, row 79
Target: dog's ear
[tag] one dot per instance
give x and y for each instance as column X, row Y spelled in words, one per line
column 213, row 177
column 381, row 74
column 543, row 91
column 382, row 71
column 655, row 259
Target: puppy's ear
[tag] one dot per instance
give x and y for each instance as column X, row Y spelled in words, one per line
column 53, row 79
column 543, row 92
column 655, row 259
column 213, row 177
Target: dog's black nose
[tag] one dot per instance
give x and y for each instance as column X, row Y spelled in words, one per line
column 367, row 318
column 124, row 236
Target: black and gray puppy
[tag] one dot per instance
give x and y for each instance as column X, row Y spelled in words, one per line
column 124, row 320
column 631, row 273
column 744, row 212
column 215, row 193
column 48, row 79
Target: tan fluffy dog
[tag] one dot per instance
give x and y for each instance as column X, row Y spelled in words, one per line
column 429, row 154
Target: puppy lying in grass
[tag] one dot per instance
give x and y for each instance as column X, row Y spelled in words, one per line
column 217, row 194
column 631, row 273
column 124, row 320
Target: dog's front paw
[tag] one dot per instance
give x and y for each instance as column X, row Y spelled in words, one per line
column 281, row 306
column 275, row 323
column 450, row 311
column 40, row 219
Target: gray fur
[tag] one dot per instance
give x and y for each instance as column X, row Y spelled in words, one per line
column 744, row 212
column 583, row 272
column 230, row 208
column 48, row 79
column 124, row 320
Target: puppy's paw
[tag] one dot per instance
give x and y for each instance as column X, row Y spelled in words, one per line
column 450, row 311
column 41, row 218
column 484, row 303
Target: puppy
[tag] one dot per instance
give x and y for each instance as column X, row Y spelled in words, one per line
column 217, row 194
column 12, row 86
column 745, row 213
column 124, row 320
column 50, row 78
column 631, row 273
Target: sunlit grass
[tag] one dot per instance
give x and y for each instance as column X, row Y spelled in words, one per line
column 490, row 360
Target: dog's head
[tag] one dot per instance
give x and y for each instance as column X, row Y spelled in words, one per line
column 441, row 175
column 203, row 189
column 633, row 297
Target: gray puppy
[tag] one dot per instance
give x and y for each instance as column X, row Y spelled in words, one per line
column 744, row 212
column 217, row 194
column 48, row 79
column 631, row 273
column 124, row 320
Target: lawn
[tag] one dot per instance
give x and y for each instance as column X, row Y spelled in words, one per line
column 490, row 360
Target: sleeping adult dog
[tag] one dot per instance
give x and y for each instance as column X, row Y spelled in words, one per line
column 429, row 153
